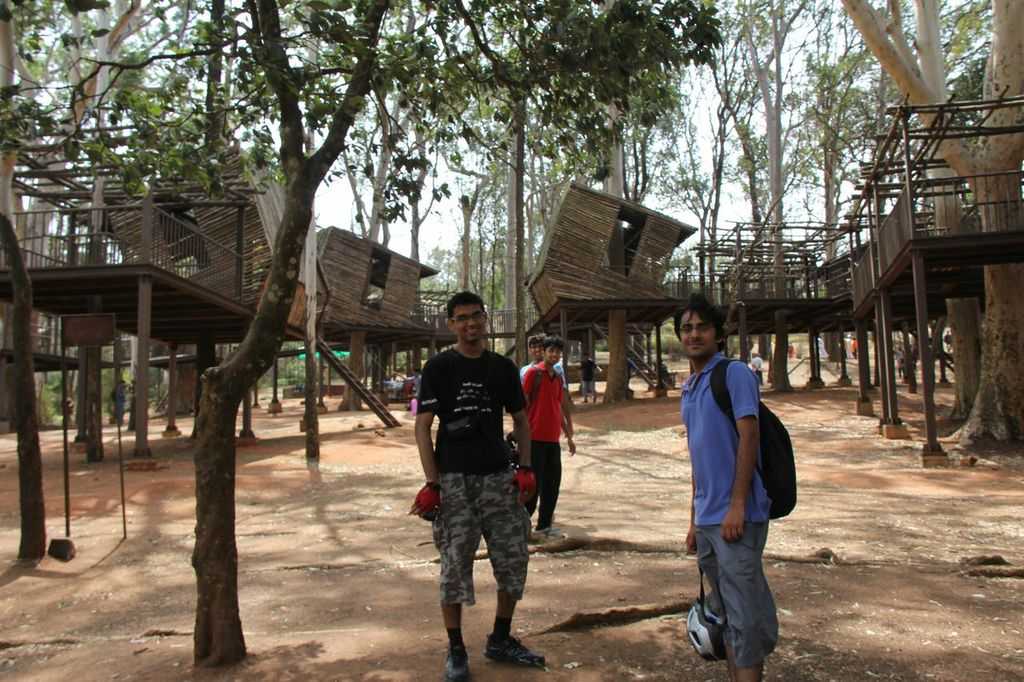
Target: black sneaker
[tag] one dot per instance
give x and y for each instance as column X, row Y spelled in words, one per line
column 456, row 665
column 511, row 650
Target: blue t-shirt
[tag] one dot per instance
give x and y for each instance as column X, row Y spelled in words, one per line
column 713, row 443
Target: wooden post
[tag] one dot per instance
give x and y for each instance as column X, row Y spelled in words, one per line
column 357, row 363
column 145, row 312
column 146, row 240
column 844, row 377
column 814, row 358
column 275, row 404
column 321, row 406
column 932, row 454
column 432, row 348
column 239, row 248
column 864, row 405
column 741, row 312
column 563, row 327
column 171, row 431
column 894, row 427
column 660, row 390
column 883, row 387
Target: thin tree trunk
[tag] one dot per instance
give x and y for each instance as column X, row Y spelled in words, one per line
column 963, row 316
column 310, row 415
column 617, row 381
column 780, row 354
column 519, row 274
column 32, row 546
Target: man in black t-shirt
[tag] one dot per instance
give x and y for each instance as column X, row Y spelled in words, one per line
column 471, row 489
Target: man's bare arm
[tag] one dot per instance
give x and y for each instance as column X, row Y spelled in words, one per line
column 424, row 420
column 746, row 462
column 521, row 427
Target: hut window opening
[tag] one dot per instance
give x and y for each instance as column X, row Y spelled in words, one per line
column 625, row 241
column 380, row 263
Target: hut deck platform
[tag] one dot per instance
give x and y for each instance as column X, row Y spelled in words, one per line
column 180, row 308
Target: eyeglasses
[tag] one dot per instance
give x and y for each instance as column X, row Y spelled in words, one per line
column 700, row 328
column 478, row 316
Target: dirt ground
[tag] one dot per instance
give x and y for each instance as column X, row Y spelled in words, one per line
column 337, row 582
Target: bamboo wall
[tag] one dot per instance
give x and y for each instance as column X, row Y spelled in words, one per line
column 574, row 257
column 345, row 259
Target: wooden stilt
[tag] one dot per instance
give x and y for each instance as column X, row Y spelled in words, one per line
column 171, row 430
column 932, row 454
column 145, row 312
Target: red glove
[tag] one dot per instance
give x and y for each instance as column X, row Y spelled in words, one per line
column 526, row 482
column 428, row 499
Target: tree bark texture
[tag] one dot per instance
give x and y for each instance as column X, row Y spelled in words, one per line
column 356, row 363
column 964, row 318
column 520, row 223
column 32, row 546
column 780, row 354
column 617, row 381
column 998, row 410
column 217, row 638
column 310, row 414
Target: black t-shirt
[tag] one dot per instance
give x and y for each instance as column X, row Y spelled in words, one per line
column 587, row 370
column 457, row 388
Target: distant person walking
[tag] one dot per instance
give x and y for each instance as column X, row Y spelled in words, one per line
column 470, row 489
column 588, row 382
column 729, row 507
column 547, row 408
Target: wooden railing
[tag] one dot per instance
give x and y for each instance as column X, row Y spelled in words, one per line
column 129, row 236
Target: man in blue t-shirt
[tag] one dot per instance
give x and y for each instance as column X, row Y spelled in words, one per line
column 729, row 507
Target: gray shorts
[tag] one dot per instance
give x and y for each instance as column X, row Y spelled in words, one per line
column 736, row 575
column 472, row 506
column 588, row 387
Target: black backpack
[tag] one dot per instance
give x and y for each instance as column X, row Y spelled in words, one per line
column 778, row 467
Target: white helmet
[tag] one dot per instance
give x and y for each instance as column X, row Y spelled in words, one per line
column 705, row 628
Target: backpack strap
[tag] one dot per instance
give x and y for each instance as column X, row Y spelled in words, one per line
column 720, row 390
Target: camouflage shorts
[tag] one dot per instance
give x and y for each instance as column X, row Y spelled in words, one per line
column 472, row 506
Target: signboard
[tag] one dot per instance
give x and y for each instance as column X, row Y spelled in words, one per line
column 87, row 330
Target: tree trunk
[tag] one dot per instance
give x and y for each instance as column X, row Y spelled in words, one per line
column 519, row 275
column 310, row 415
column 467, row 222
column 218, row 638
column 780, row 354
column 356, row 363
column 998, row 410
column 26, row 422
column 964, row 318
column 617, row 380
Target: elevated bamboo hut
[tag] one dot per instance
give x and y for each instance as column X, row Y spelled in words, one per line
column 602, row 254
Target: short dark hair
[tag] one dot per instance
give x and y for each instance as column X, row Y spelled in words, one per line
column 553, row 341
column 708, row 312
column 535, row 340
column 464, row 298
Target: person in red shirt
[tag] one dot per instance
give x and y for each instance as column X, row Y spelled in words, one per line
column 547, row 406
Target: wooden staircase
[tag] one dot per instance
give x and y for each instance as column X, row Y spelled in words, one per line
column 647, row 373
column 375, row 403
